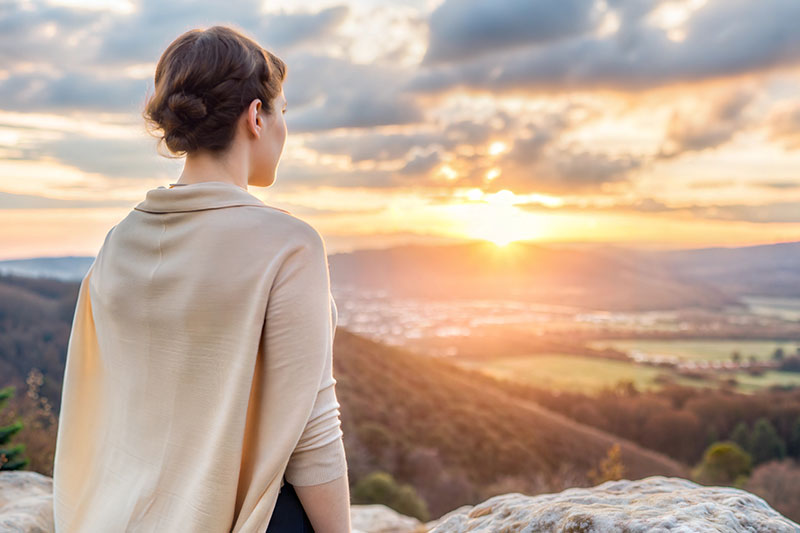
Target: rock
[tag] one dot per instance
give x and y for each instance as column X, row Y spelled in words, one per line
column 26, row 506
column 654, row 504
column 26, row 502
column 378, row 518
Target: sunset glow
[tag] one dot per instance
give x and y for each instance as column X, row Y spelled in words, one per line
column 404, row 128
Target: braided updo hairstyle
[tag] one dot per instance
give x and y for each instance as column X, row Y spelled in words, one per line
column 204, row 80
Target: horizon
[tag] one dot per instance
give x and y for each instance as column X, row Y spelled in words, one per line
column 499, row 247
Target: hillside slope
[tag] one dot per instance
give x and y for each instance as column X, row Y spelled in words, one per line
column 395, row 403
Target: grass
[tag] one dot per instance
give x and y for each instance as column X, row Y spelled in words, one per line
column 590, row 374
column 700, row 349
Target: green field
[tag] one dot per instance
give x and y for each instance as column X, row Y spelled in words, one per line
column 590, row 374
column 700, row 349
column 785, row 308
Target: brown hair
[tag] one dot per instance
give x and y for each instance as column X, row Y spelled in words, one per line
column 204, row 80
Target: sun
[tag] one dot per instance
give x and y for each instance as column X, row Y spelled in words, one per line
column 498, row 221
column 501, row 240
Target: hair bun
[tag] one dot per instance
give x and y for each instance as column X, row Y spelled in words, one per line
column 187, row 105
column 204, row 81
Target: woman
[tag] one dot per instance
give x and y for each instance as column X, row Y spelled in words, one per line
column 198, row 390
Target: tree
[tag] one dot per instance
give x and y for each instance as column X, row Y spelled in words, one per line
column 794, row 440
column 741, row 436
column 610, row 468
column 766, row 443
column 778, row 354
column 10, row 457
column 712, row 435
column 724, row 463
column 381, row 487
column 736, row 356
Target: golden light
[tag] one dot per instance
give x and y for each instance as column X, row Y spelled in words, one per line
column 671, row 16
column 502, row 197
column 544, row 199
column 492, row 174
column 474, row 194
column 498, row 221
column 448, row 172
column 497, row 148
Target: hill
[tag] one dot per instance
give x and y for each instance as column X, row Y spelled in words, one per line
column 586, row 278
column 451, row 434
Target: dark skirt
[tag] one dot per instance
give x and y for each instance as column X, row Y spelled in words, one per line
column 289, row 515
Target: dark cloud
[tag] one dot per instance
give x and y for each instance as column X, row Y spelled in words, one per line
column 370, row 145
column 289, row 29
column 421, row 164
column 329, row 93
column 36, row 32
column 723, row 38
column 72, row 91
column 692, row 132
column 465, row 29
column 529, row 150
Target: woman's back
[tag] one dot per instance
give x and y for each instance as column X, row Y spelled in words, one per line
column 199, row 369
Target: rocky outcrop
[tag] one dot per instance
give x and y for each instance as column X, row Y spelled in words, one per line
column 652, row 504
column 656, row 503
column 26, row 502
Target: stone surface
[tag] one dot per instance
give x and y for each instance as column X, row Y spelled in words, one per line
column 378, row 518
column 656, row 504
column 26, row 502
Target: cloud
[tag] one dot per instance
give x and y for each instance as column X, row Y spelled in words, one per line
column 464, row 29
column 566, row 170
column 29, row 201
column 779, row 185
column 329, row 93
column 693, row 131
column 289, row 29
column 421, row 164
column 768, row 213
column 45, row 35
column 72, row 91
column 784, row 126
column 365, row 145
column 111, row 157
column 723, row 38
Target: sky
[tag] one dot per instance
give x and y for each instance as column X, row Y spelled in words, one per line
column 652, row 123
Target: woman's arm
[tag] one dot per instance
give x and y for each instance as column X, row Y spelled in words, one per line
column 299, row 331
column 327, row 505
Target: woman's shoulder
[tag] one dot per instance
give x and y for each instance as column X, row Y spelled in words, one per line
column 274, row 223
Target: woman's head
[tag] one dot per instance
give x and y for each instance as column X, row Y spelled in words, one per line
column 218, row 91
